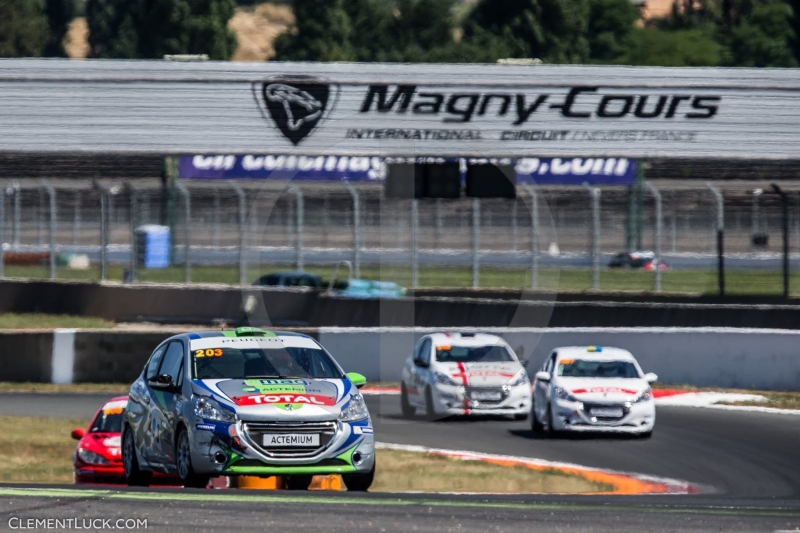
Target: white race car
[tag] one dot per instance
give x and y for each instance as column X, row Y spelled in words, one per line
column 593, row 388
column 464, row 374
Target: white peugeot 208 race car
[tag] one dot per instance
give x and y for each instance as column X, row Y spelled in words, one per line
column 593, row 388
column 464, row 374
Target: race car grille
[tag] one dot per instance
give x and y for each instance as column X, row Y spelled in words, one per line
column 486, row 396
column 606, row 412
column 256, row 432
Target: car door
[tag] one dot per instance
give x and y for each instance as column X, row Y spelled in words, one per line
column 541, row 389
column 421, row 369
column 164, row 404
column 140, row 404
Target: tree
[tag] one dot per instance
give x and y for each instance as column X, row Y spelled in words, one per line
column 153, row 28
column 679, row 48
column 552, row 30
column 59, row 14
column 765, row 38
column 322, row 33
column 23, row 28
column 611, row 29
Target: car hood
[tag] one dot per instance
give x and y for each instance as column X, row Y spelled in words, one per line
column 603, row 390
column 105, row 444
column 480, row 374
column 280, row 399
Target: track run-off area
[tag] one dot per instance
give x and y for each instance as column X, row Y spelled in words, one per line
column 747, row 463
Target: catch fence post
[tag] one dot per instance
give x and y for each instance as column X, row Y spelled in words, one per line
column 356, row 228
column 594, row 192
column 476, row 234
column 298, row 193
column 51, row 193
column 242, row 232
column 103, row 230
column 720, row 237
column 534, row 234
column 133, row 201
column 657, row 196
column 414, row 243
column 187, row 254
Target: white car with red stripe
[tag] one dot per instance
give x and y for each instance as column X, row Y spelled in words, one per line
column 592, row 388
column 464, row 374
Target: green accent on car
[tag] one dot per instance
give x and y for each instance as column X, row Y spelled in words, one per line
column 357, row 379
column 288, row 470
column 248, row 331
column 347, row 455
column 285, row 406
column 228, row 333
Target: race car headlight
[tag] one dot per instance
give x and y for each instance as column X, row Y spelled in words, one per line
column 563, row 394
column 207, row 408
column 444, row 379
column 92, row 458
column 646, row 395
column 520, row 379
column 356, row 409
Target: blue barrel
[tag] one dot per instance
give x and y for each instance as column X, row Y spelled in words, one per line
column 153, row 246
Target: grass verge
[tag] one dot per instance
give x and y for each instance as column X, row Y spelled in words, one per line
column 39, row 450
column 45, row 321
column 775, row 399
column 695, row 281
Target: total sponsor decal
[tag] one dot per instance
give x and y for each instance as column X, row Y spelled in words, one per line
column 288, row 399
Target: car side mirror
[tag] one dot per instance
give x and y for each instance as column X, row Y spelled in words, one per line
column 162, row 382
column 357, row 379
column 650, row 377
column 78, row 433
column 543, row 376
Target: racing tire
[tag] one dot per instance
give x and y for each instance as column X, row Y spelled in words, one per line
column 183, row 463
column 134, row 475
column 406, row 408
column 359, row 482
column 297, row 482
column 430, row 411
column 551, row 432
column 536, row 426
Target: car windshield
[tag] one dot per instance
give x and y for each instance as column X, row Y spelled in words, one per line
column 582, row 368
column 107, row 421
column 280, row 362
column 473, row 354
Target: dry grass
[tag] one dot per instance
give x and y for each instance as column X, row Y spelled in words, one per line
column 37, row 450
column 257, row 27
column 412, row 471
column 775, row 399
column 76, row 42
column 50, row 388
column 46, row 321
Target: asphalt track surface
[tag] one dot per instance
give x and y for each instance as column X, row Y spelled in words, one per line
column 751, row 461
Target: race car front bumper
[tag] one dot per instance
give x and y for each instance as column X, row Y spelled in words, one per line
column 459, row 400
column 579, row 416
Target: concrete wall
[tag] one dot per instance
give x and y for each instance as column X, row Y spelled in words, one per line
column 723, row 357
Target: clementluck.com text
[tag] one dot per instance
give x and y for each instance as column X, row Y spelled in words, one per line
column 16, row 522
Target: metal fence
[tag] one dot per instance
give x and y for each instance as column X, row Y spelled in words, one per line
column 548, row 237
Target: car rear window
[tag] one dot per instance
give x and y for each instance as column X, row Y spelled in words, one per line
column 473, row 354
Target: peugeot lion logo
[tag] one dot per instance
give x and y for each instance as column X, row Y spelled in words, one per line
column 296, row 108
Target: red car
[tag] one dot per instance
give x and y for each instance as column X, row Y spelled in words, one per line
column 98, row 458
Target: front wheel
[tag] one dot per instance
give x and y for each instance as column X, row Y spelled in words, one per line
column 430, row 410
column 134, row 475
column 189, row 478
column 359, row 482
column 405, row 406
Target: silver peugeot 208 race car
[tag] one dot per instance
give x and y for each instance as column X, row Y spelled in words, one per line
column 247, row 402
